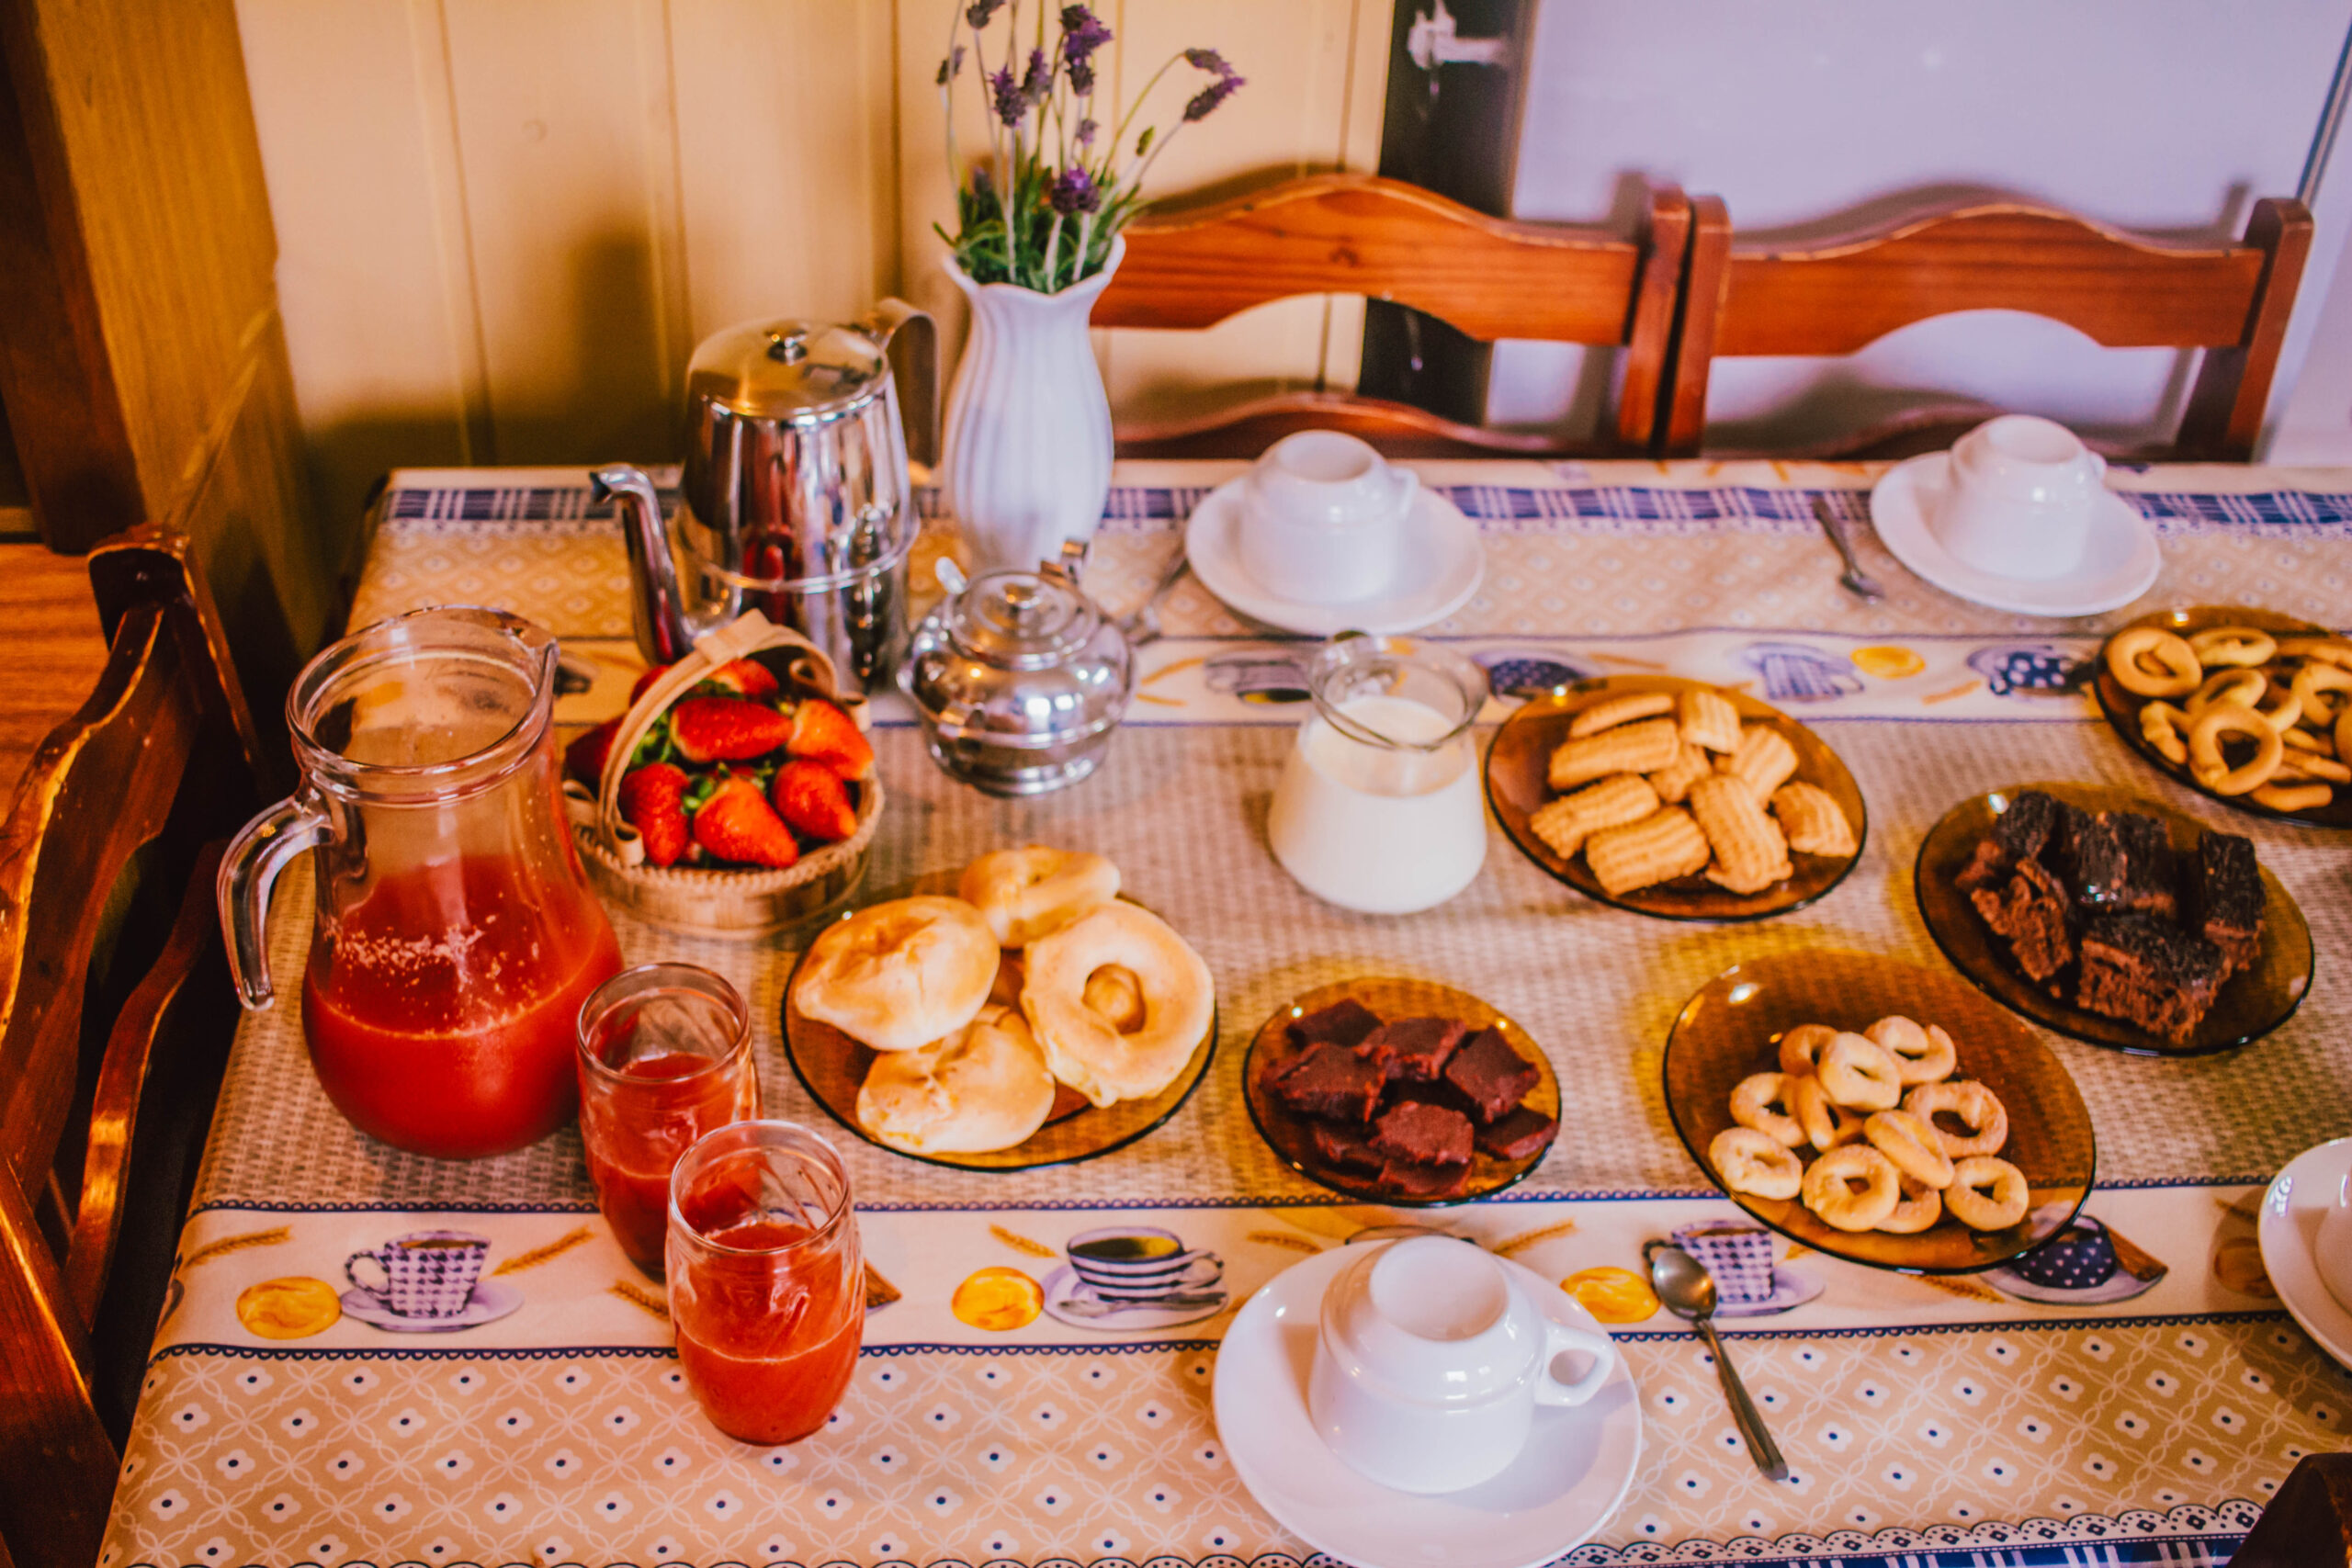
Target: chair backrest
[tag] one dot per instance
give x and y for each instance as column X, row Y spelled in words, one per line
column 1489, row 278
column 103, row 785
column 2121, row 290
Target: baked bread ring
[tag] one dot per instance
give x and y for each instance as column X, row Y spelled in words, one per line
column 1859, row 1074
column 2241, row 646
column 983, row 1088
column 2343, row 735
column 2294, row 797
column 1913, row 1144
column 2329, row 649
column 1830, row 1190
column 1919, row 1209
column 1921, row 1055
column 1800, row 1048
column 2245, row 686
column 2160, row 726
column 2149, row 661
column 1763, row 1102
column 2312, row 685
column 1115, row 993
column 2205, row 762
column 1987, row 1194
column 1976, row 1108
column 900, row 974
column 1826, row 1124
column 1081, row 1048
column 1023, row 894
column 1747, row 1161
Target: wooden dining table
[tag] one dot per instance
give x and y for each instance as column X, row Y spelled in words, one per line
column 1926, row 1420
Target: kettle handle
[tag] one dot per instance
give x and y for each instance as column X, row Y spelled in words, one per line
column 914, row 362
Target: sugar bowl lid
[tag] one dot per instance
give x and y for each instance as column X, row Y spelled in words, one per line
column 1021, row 656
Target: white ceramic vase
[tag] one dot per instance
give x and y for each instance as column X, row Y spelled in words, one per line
column 1027, row 460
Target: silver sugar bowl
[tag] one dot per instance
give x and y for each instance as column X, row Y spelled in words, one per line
column 1020, row 678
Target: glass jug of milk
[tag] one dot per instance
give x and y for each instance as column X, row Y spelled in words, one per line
column 1379, row 807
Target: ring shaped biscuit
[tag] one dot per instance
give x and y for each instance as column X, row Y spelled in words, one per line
column 2245, row 686
column 2343, row 735
column 1913, row 1145
column 2149, row 661
column 1987, row 1194
column 2245, row 646
column 2327, row 649
column 1859, row 1074
column 1829, row 1190
column 1747, row 1161
column 1921, row 1055
column 1800, row 1048
column 1826, row 1124
column 1921, row 1207
column 2205, row 763
column 1973, row 1106
column 1763, row 1102
column 2294, row 797
column 2161, row 726
column 2314, row 682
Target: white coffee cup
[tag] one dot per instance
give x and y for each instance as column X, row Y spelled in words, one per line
column 2332, row 1245
column 2022, row 493
column 1431, row 1358
column 1323, row 518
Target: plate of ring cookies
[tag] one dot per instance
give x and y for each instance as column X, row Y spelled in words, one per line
column 1401, row 1092
column 2249, row 706
column 2113, row 919
column 1879, row 1111
column 1020, row 1014
column 1674, row 799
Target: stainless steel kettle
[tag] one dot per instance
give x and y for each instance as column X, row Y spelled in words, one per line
column 798, row 502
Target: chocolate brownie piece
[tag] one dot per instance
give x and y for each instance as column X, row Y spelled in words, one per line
column 2033, row 910
column 2137, row 968
column 1330, row 1080
column 2224, row 897
column 2123, row 860
column 2063, row 850
column 1492, row 1076
column 1518, row 1134
column 1415, row 1049
column 1410, row 1182
column 1345, row 1148
column 2017, row 834
column 1344, row 1022
column 1423, row 1133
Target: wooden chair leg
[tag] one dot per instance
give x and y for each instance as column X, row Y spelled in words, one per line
column 2309, row 1524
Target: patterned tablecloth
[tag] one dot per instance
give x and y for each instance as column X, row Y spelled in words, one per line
column 1925, row 1421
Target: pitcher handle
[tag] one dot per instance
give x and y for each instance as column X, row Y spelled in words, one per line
column 1559, row 1336
column 248, row 872
column 915, row 364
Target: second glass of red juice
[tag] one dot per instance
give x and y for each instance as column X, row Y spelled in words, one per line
column 665, row 1056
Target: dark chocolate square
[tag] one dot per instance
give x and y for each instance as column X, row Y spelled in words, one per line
column 1344, row 1022
column 2017, row 834
column 1406, row 1180
column 1345, row 1148
column 1330, row 1080
column 1494, row 1077
column 1520, row 1133
column 2140, row 969
column 2222, row 888
column 1426, row 1134
column 1416, row 1048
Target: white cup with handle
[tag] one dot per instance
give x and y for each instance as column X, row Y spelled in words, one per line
column 1431, row 1358
column 1323, row 518
column 2022, row 494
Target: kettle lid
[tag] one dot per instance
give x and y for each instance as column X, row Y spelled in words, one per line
column 787, row 369
column 1023, row 620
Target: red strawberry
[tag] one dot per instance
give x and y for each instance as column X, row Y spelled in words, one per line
column 584, row 757
column 733, row 822
column 646, row 680
column 812, row 798
column 744, row 677
column 726, row 729
column 652, row 802
column 822, row 733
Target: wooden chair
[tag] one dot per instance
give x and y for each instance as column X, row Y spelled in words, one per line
column 2119, row 289
column 106, row 1076
column 1360, row 234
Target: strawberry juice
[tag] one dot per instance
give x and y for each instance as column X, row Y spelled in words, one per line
column 634, row 1129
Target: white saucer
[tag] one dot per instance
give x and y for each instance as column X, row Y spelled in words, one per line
column 1441, row 567
column 1068, row 1299
column 1565, row 1484
column 1791, row 1290
column 492, row 1299
column 2119, row 562
column 2299, row 1198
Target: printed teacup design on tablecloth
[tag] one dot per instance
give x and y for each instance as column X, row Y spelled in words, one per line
column 2030, row 670
column 1257, row 675
column 1743, row 1258
column 1120, row 1279
column 431, row 1284
column 1529, row 671
column 1794, row 673
column 2087, row 1264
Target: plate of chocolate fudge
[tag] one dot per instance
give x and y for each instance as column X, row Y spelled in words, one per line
column 1401, row 1092
column 2113, row 918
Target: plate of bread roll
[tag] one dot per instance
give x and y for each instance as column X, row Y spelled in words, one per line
column 1879, row 1111
column 1674, row 799
column 1021, row 1013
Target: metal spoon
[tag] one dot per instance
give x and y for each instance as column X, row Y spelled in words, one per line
column 1853, row 579
column 1142, row 623
column 1688, row 1292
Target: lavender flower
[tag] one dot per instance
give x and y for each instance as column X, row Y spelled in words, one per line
column 1082, row 34
column 1075, row 192
column 980, row 12
column 1010, row 104
column 1210, row 60
column 1084, row 136
column 983, row 189
column 1205, row 101
column 952, row 66
column 1038, row 80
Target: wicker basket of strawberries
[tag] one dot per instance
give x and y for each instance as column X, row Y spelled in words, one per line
column 736, row 795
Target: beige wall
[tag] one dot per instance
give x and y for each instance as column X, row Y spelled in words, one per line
column 504, row 224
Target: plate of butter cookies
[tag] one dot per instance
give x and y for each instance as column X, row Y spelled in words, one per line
column 1879, row 1111
column 1674, row 799
column 1022, row 1012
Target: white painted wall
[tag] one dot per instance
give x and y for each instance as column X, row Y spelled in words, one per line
column 2164, row 114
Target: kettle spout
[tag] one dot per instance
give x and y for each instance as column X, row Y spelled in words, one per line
column 659, row 610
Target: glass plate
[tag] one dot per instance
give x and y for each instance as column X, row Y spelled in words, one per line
column 2122, row 707
column 1391, row 997
column 833, row 1067
column 2250, row 1004
column 1520, row 755
column 1733, row 1027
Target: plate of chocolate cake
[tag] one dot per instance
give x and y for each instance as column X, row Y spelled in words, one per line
column 2113, row 918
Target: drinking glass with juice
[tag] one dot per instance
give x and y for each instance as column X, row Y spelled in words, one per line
column 767, row 1279
column 665, row 1056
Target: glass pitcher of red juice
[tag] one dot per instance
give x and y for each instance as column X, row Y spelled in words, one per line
column 456, row 934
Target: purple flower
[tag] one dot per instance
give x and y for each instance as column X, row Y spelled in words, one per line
column 983, row 189
column 1086, row 129
column 1082, row 34
column 951, row 66
column 1210, row 60
column 980, row 12
column 1075, row 192
column 1038, row 80
column 1010, row 104
column 1205, row 101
